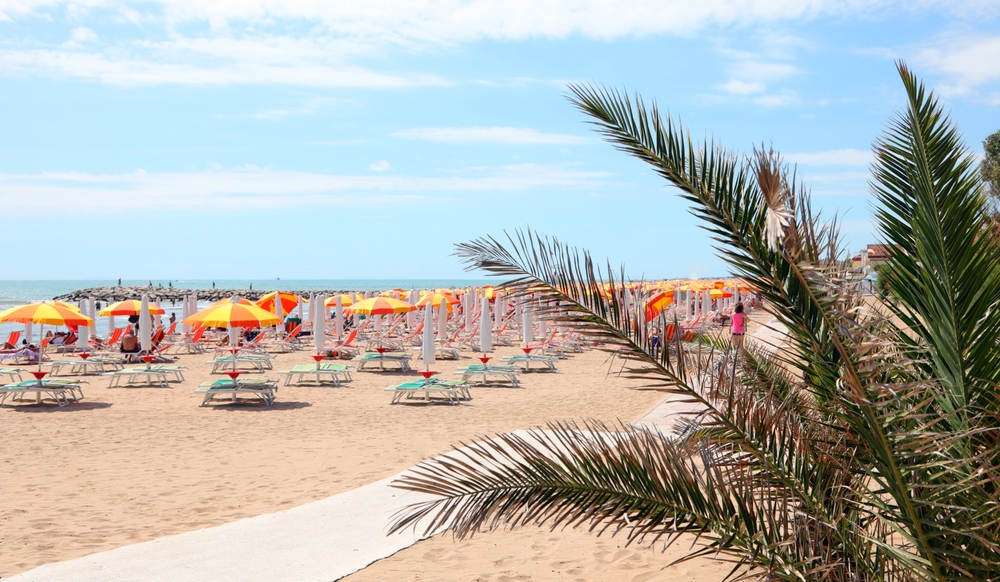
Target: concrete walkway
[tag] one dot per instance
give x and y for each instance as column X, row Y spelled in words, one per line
column 320, row 541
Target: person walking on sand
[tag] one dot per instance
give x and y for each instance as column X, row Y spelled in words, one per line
column 739, row 326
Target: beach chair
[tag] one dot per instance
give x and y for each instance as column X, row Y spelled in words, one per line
column 13, row 338
column 345, row 349
column 116, row 335
column 258, row 388
column 192, row 346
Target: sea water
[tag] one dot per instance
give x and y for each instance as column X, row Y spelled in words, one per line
column 19, row 292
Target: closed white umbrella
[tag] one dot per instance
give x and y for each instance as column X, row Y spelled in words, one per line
column 312, row 310
column 319, row 338
column 706, row 306
column 29, row 333
column 339, row 316
column 84, row 336
column 277, row 313
column 411, row 317
column 499, row 310
column 145, row 325
column 300, row 308
column 428, row 343
column 470, row 309
column 442, row 321
column 185, row 313
column 527, row 327
column 542, row 328
column 485, row 328
column 378, row 323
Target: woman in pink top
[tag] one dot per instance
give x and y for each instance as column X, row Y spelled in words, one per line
column 739, row 326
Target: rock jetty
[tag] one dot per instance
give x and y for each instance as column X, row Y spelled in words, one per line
column 174, row 294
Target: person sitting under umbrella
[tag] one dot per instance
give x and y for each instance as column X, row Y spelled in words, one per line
column 130, row 343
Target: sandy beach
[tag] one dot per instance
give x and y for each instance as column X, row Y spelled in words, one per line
column 132, row 464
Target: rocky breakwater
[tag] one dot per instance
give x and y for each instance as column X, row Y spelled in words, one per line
column 173, row 294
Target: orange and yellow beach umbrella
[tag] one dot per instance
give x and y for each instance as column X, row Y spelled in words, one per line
column 129, row 307
column 346, row 300
column 232, row 315
column 288, row 302
column 381, row 306
column 44, row 314
column 436, row 299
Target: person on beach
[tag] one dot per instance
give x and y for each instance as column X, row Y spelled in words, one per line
column 130, row 343
column 173, row 318
column 739, row 326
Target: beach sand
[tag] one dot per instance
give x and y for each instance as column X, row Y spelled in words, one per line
column 132, row 464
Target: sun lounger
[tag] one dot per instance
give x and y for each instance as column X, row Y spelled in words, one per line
column 335, row 372
column 243, row 361
column 78, row 367
column 130, row 376
column 547, row 362
column 258, row 388
column 398, row 360
column 508, row 373
column 60, row 391
column 14, row 373
column 452, row 391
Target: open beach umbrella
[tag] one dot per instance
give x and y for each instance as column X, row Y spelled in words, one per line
column 44, row 314
column 232, row 315
column 346, row 300
column 288, row 302
column 428, row 339
column 436, row 299
column 657, row 303
column 224, row 301
column 381, row 306
column 485, row 328
column 129, row 307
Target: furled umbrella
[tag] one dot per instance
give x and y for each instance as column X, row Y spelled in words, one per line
column 485, row 328
column 428, row 339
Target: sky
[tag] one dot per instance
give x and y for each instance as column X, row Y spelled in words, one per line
column 308, row 139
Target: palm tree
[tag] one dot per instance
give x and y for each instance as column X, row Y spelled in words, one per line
column 866, row 451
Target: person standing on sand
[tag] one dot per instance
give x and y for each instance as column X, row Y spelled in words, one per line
column 739, row 326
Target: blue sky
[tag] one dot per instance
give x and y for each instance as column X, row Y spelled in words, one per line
column 330, row 140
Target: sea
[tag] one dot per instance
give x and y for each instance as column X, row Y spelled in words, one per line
column 19, row 292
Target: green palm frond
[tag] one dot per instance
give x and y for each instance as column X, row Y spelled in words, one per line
column 868, row 451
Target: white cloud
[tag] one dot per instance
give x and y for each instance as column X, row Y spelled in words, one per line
column 72, row 193
column 969, row 60
column 743, row 87
column 503, row 135
column 846, row 157
column 310, row 42
column 379, row 166
column 783, row 98
column 127, row 71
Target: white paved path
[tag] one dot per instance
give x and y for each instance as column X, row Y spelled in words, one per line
column 320, row 541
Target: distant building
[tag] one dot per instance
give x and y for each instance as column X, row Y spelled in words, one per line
column 872, row 256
